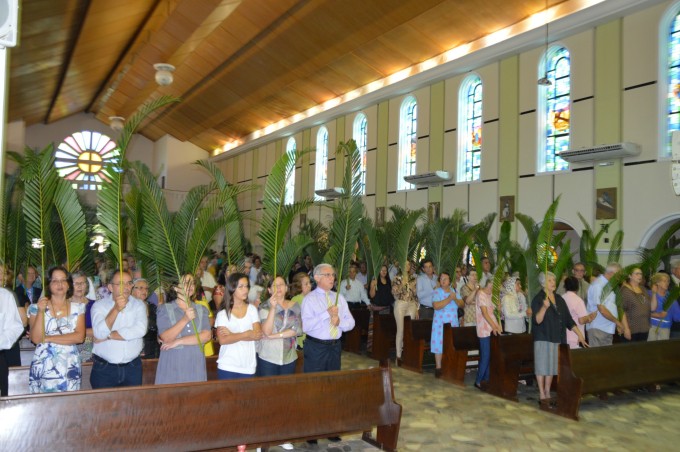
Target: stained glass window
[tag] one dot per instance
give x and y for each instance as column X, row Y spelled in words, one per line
column 554, row 110
column 673, row 103
column 290, row 183
column 408, row 140
column 470, row 129
column 361, row 138
column 321, row 170
column 81, row 157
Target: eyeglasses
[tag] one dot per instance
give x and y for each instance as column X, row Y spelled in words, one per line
column 241, row 286
column 142, row 288
column 126, row 283
column 327, row 275
column 80, row 284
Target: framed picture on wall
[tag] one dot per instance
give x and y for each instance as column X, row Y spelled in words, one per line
column 507, row 208
column 605, row 204
column 379, row 216
column 433, row 211
column 303, row 220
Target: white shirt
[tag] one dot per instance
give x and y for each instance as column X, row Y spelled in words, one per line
column 363, row 277
column 485, row 277
column 238, row 357
column 208, row 280
column 131, row 323
column 253, row 274
column 10, row 321
column 356, row 292
column 594, row 295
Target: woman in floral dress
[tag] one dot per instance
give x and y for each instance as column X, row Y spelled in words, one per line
column 57, row 326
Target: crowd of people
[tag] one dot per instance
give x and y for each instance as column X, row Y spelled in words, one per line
column 260, row 322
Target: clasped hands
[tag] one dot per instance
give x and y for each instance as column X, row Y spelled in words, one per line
column 335, row 318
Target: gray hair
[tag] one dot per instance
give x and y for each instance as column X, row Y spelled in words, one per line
column 675, row 263
column 319, row 268
column 612, row 267
column 78, row 274
column 543, row 278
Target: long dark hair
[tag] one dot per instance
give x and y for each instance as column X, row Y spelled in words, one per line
column 230, row 288
column 48, row 276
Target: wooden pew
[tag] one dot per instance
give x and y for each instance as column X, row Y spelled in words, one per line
column 183, row 417
column 417, row 334
column 352, row 341
column 458, row 342
column 384, row 335
column 18, row 376
column 601, row 369
column 511, row 355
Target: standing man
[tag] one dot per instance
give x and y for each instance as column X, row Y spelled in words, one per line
column 255, row 269
column 119, row 322
column 10, row 330
column 601, row 330
column 207, row 279
column 579, row 271
column 425, row 285
column 486, row 275
column 324, row 322
column 352, row 290
column 362, row 275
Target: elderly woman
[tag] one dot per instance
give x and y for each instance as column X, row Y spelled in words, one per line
column 445, row 303
column 300, row 287
column 57, row 326
column 406, row 303
column 182, row 359
column 80, row 289
column 281, row 324
column 659, row 324
column 469, row 295
column 577, row 309
column 550, row 322
column 514, row 307
column 637, row 306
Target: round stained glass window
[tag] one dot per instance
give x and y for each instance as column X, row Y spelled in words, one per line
column 81, row 157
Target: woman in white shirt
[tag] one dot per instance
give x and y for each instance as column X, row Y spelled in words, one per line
column 238, row 330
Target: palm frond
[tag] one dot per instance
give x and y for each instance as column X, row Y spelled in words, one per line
column 347, row 212
column 437, row 241
column 615, row 247
column 614, row 285
column 202, row 234
column 320, row 236
column 371, row 246
column 496, row 288
column 188, row 211
column 73, row 224
column 401, row 234
column 564, row 260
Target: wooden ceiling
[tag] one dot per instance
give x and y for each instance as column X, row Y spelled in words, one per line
column 241, row 64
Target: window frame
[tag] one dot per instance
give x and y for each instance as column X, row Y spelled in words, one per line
column 408, row 142
column 321, row 162
column 465, row 124
column 360, row 135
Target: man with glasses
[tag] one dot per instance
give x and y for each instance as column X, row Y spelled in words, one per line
column 140, row 290
column 11, row 328
column 119, row 322
column 579, row 271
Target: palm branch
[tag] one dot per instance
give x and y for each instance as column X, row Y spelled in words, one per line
column 437, row 242
column 588, row 248
column 371, row 246
column 651, row 258
column 496, row 288
column 110, row 200
column 482, row 233
column 614, row 285
column 401, row 235
column 615, row 247
column 319, row 234
column 73, row 224
column 347, row 213
column 277, row 218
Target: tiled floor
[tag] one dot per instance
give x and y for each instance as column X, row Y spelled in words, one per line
column 439, row 416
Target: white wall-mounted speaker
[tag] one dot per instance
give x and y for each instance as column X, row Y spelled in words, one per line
column 9, row 22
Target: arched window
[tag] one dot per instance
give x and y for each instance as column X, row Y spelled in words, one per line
column 470, row 129
column 321, row 166
column 81, row 157
column 290, row 183
column 408, row 140
column 360, row 134
column 554, row 109
column 670, row 77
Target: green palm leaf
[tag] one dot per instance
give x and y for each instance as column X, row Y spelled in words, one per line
column 202, row 234
column 347, row 212
column 319, row 234
column 437, row 242
column 73, row 224
column 277, row 218
column 371, row 246
column 401, row 230
column 615, row 247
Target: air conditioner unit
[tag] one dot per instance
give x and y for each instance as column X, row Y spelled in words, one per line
column 9, row 22
column 331, row 193
column 602, row 152
column 432, row 178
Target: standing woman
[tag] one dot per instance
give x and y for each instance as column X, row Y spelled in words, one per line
column 406, row 303
column 381, row 292
column 238, row 328
column 637, row 306
column 80, row 288
column 550, row 321
column 660, row 326
column 281, row 324
column 182, row 359
column 445, row 303
column 469, row 295
column 299, row 289
column 57, row 325
column 514, row 307
column 486, row 326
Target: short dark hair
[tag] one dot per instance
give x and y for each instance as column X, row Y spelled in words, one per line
column 571, row 284
column 425, row 261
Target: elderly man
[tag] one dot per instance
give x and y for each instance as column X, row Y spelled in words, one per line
column 324, row 321
column 207, row 279
column 579, row 271
column 487, row 274
column 119, row 322
column 353, row 290
column 425, row 285
column 601, row 330
column 11, row 328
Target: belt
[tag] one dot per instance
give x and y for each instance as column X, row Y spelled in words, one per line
column 322, row 341
column 100, row 360
column 426, row 307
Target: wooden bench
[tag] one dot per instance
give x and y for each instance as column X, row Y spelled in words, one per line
column 417, row 334
column 207, row 415
column 352, row 339
column 458, row 343
column 600, row 369
column 384, row 335
column 511, row 356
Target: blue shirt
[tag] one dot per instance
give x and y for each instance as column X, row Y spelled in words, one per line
column 661, row 323
column 451, row 308
column 425, row 288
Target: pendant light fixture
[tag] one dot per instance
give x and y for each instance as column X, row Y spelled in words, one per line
column 545, row 81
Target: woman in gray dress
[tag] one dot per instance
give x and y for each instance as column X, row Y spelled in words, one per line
column 182, row 359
